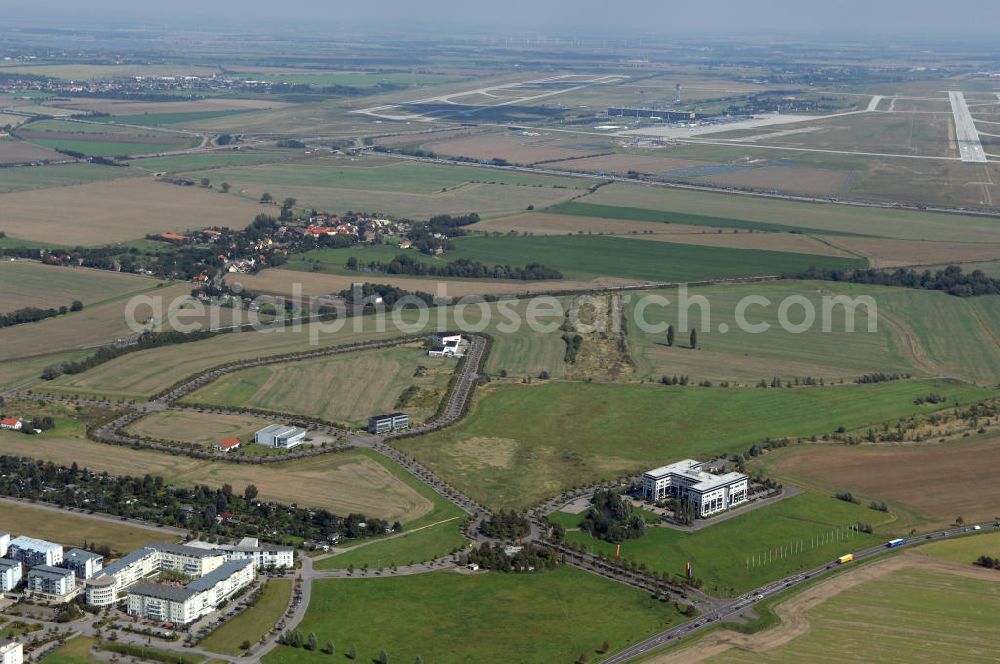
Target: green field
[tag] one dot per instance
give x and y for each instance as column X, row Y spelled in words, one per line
column 965, row 550
column 448, row 618
column 670, row 217
column 919, row 332
column 908, row 616
column 159, row 119
column 346, row 388
column 96, row 127
column 414, row 546
column 589, row 257
column 524, row 443
column 719, row 553
column 27, row 283
column 99, row 148
column 216, row 159
column 817, row 217
column 253, row 623
column 58, row 175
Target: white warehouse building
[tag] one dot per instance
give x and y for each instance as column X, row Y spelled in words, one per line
column 280, row 436
column 706, row 492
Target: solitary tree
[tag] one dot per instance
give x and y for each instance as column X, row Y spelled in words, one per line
column 311, row 641
column 694, row 338
column 224, row 187
column 353, row 652
column 205, row 182
column 266, row 198
column 330, row 649
column 670, row 335
column 288, row 203
column 250, row 492
column 383, row 657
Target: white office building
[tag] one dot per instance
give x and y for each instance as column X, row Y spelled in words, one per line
column 54, row 581
column 84, row 564
column 32, row 552
column 4, row 543
column 11, row 573
column 11, row 652
column 706, row 492
column 167, row 603
column 280, row 436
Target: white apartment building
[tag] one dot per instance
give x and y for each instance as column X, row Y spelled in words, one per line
column 54, row 581
column 167, row 603
column 11, row 652
column 249, row 548
column 31, row 552
column 104, row 588
column 706, row 492
column 4, row 543
column 11, row 572
column 84, row 563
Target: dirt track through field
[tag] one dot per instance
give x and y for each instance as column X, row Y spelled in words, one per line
column 911, row 345
column 792, row 612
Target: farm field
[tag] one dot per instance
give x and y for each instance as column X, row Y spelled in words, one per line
column 912, row 614
column 446, row 617
column 204, row 429
column 909, row 336
column 963, row 473
column 412, row 547
column 589, row 257
column 253, row 623
column 92, row 145
column 143, row 374
column 81, row 215
column 93, row 326
column 58, row 175
column 819, row 523
column 893, row 253
column 72, row 530
column 22, row 152
column 341, row 482
column 517, row 149
column 409, row 190
column 621, row 164
column 964, row 550
column 813, row 217
column 31, row 284
column 127, row 108
column 189, row 162
column 346, row 388
column 786, row 179
column 522, row 444
column 280, row 281
column 100, row 130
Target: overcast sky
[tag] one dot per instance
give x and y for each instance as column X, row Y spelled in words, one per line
column 884, row 19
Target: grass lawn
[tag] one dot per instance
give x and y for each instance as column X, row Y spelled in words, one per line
column 964, row 550
column 908, row 616
column 448, row 618
column 588, row 257
column 523, row 443
column 74, row 651
column 412, row 547
column 204, row 429
column 252, row 624
column 57, row 175
column 719, row 553
column 346, row 388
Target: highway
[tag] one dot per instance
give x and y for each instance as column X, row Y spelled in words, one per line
column 970, row 149
column 723, row 611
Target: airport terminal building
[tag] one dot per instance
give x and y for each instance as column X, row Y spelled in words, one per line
column 686, row 481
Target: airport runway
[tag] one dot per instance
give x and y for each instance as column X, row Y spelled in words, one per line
column 970, row 149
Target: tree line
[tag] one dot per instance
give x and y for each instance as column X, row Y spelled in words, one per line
column 951, row 280
column 462, row 268
column 34, row 314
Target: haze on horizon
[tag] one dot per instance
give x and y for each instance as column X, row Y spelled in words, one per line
column 889, row 20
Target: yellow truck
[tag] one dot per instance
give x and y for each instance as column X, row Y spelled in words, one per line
column 845, row 559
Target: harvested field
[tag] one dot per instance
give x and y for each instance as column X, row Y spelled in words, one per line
column 82, row 214
column 620, row 164
column 347, row 388
column 31, row 284
column 59, row 175
column 280, row 282
column 509, row 147
column 93, row 326
column 342, row 483
column 71, row 529
column 21, row 152
column 791, row 242
column 60, row 137
column 894, row 253
column 949, row 183
column 963, row 475
column 902, row 609
column 800, row 180
column 205, row 429
column 124, row 107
